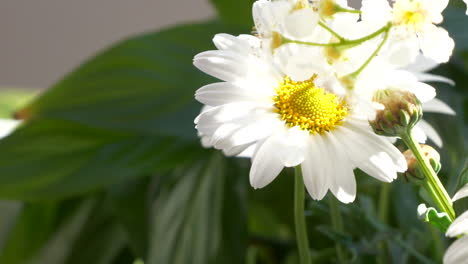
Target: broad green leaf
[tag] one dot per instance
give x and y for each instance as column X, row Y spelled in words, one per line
column 200, row 218
column 40, row 228
column 65, row 158
column 237, row 13
column 130, row 202
column 455, row 21
column 125, row 113
column 143, row 85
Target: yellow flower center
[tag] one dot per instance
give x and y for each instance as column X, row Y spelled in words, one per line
column 303, row 104
column 410, row 14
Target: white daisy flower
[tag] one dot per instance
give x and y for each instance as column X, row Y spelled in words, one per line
column 458, row 251
column 414, row 28
column 290, row 114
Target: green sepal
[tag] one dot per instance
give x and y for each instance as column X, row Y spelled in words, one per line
column 430, row 215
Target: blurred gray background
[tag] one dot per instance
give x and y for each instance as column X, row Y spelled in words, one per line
column 41, row 40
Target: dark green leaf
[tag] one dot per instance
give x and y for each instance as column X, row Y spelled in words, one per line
column 125, row 113
column 131, row 204
column 237, row 13
column 200, row 218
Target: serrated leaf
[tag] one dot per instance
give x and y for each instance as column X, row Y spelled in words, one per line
column 430, row 215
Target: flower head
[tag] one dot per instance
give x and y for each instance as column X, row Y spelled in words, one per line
column 414, row 28
column 288, row 110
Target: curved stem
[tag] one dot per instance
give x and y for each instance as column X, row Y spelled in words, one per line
column 372, row 56
column 299, row 218
column 432, row 183
column 337, row 222
column 343, row 43
column 334, row 33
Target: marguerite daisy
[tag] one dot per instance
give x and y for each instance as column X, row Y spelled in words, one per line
column 290, row 114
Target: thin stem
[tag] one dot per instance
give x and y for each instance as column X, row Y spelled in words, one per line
column 334, row 33
column 343, row 42
column 301, row 228
column 384, row 203
column 337, row 222
column 432, row 184
column 371, row 57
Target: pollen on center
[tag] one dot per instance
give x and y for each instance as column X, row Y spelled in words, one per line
column 309, row 107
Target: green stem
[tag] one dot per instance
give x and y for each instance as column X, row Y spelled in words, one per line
column 337, row 222
column 432, row 183
column 343, row 43
column 384, row 203
column 334, row 33
column 371, row 57
column 301, row 228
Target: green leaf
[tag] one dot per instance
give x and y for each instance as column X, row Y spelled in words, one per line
column 237, row 13
column 125, row 113
column 130, row 202
column 65, row 158
column 430, row 215
column 200, row 218
column 455, row 21
column 42, row 227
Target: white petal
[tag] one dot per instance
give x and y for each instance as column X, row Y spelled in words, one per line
column 343, row 182
column 423, row 91
column 419, row 134
column 438, row 106
column 379, row 143
column 462, row 193
column 266, row 164
column 435, row 9
column 437, row 44
column 301, row 23
column 269, row 16
column 466, row 2
column 401, row 52
column 422, row 64
column 376, row 12
column 7, row 126
column 459, row 226
column 457, row 253
column 427, row 77
column 314, row 172
column 216, row 94
column 366, row 155
column 430, row 132
column 250, row 129
column 293, row 143
column 228, row 42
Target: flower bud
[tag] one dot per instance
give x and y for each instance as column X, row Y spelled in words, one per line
column 328, row 8
column 414, row 172
column 402, row 110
